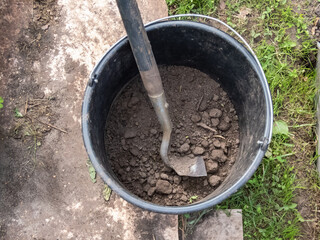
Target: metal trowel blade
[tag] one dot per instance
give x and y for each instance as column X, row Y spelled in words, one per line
column 186, row 166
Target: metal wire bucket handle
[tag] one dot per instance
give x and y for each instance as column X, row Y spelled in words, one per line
column 215, row 20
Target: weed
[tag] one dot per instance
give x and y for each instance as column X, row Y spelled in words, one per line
column 1, row 102
column 17, row 113
column 106, row 192
column 92, row 172
column 190, row 220
column 192, row 198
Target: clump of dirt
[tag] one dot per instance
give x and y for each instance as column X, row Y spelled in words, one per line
column 205, row 124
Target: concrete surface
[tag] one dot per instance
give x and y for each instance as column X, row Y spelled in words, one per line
column 53, row 197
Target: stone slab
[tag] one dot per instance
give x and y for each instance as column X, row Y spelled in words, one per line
column 222, row 225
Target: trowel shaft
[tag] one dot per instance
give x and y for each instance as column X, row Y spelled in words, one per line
column 148, row 69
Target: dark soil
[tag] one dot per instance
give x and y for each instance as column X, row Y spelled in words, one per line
column 205, row 123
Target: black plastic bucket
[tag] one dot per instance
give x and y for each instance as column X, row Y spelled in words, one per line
column 198, row 46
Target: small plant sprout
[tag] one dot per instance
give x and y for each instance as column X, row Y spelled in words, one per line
column 192, row 198
column 17, row 113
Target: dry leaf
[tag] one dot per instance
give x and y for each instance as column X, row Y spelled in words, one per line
column 244, row 12
column 222, row 5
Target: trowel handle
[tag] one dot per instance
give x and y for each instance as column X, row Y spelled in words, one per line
column 141, row 47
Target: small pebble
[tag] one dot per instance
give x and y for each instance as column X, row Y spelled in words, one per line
column 198, row 151
column 215, row 122
column 218, row 155
column 227, row 119
column 143, row 174
column 195, row 118
column 184, row 198
column 224, row 126
column 203, row 106
column 184, row 148
column 214, row 180
column 164, row 176
column 152, row 182
column 204, row 143
column 205, row 116
column 217, row 143
column 212, row 166
column 130, row 133
column 215, row 113
column 153, row 131
column 163, row 187
column 134, row 151
column 193, row 141
column 177, row 179
column 151, row 191
column 215, row 97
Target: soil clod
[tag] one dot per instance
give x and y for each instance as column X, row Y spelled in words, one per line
column 130, row 133
column 215, row 113
column 163, row 187
column 212, row 166
column 184, row 148
column 214, row 180
column 218, row 155
column 195, row 118
column 198, row 151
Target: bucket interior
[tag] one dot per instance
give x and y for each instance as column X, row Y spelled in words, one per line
column 193, row 45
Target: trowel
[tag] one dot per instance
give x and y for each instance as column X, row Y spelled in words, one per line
column 141, row 48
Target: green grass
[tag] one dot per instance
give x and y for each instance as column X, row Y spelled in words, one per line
column 280, row 38
column 266, row 200
column 192, row 6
